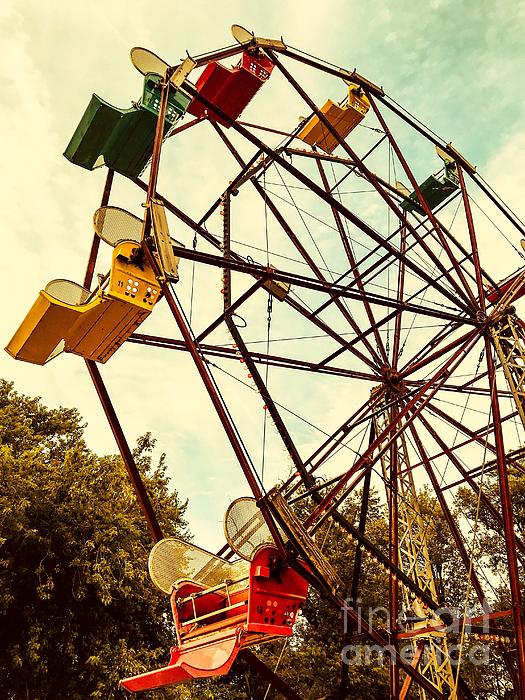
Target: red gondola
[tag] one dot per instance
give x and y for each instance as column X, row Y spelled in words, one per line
column 231, row 89
column 220, row 607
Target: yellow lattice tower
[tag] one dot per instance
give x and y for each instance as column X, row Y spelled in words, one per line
column 414, row 561
column 508, row 335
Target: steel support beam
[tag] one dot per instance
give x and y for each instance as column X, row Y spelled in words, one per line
column 127, row 456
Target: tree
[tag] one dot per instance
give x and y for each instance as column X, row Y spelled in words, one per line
column 77, row 609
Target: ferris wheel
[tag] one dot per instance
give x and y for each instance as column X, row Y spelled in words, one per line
column 388, row 355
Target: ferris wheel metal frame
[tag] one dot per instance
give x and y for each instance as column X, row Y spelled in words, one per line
column 401, row 402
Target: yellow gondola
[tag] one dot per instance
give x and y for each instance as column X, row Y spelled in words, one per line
column 67, row 317
column 343, row 119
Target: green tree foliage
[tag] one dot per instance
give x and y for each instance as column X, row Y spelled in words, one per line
column 77, row 609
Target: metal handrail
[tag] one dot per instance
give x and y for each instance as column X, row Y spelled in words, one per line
column 224, row 584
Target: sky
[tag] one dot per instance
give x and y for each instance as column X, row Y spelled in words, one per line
column 457, row 66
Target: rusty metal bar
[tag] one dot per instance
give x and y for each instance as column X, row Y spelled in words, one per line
column 265, row 128
column 393, row 553
column 343, row 73
column 434, row 356
column 400, row 294
column 363, row 157
column 216, row 399
column 473, row 240
column 228, row 353
column 183, row 127
column 450, row 519
column 226, row 52
column 353, row 265
column 159, row 135
column 127, row 456
column 490, row 466
column 245, row 170
column 250, row 364
column 415, row 663
column 508, row 526
column 238, row 264
column 231, row 309
column 354, row 589
column 401, row 306
column 480, row 432
column 372, row 634
column 265, row 672
column 431, row 344
column 475, row 391
column 319, row 156
column 205, row 375
column 477, row 490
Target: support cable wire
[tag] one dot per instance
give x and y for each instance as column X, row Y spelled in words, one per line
column 293, row 293
column 405, row 110
column 498, row 229
column 266, row 379
column 468, row 408
column 427, row 521
column 286, row 641
column 415, row 295
column 361, row 433
column 442, row 474
column 388, row 214
column 464, row 410
column 346, row 226
column 346, row 333
column 335, row 188
column 425, row 290
column 284, row 257
column 284, row 408
column 504, row 204
column 346, row 223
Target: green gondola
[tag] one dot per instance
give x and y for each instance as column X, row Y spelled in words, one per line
column 122, row 139
column 435, row 189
